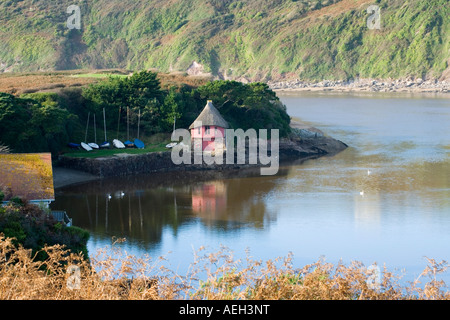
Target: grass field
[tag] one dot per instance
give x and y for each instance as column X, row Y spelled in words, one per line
column 98, row 75
column 19, row 83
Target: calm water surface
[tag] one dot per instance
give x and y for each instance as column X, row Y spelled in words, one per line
column 313, row 209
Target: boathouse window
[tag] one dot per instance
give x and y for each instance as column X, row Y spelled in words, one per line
column 207, row 130
column 199, row 130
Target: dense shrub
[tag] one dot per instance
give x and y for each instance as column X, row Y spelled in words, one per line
column 34, row 123
column 140, row 92
column 33, row 228
column 114, row 274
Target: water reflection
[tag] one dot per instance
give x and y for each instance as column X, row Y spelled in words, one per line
column 140, row 208
column 310, row 209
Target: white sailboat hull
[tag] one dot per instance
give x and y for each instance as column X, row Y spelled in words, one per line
column 118, row 144
column 86, row 147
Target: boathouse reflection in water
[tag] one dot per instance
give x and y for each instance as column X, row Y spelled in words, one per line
column 139, row 208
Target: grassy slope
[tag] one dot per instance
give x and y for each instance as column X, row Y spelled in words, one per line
column 255, row 38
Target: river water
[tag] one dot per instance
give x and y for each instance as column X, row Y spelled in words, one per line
column 384, row 200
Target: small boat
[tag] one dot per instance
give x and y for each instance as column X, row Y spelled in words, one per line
column 74, row 145
column 89, row 146
column 105, row 145
column 86, row 147
column 129, row 144
column 171, row 145
column 139, row 144
column 93, row 145
column 118, row 144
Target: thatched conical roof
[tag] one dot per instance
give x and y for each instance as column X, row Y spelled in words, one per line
column 210, row 116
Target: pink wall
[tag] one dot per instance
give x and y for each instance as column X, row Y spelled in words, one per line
column 214, row 132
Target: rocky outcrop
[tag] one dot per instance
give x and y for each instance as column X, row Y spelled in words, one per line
column 367, row 85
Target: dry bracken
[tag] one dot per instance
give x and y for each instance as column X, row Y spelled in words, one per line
column 113, row 274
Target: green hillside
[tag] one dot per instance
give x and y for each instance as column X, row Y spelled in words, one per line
column 258, row 39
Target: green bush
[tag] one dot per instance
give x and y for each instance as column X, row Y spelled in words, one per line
column 33, row 228
column 140, row 92
column 34, row 123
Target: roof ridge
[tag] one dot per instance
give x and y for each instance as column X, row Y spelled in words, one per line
column 210, row 116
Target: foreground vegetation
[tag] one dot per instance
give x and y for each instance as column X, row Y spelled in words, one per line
column 113, row 274
column 42, row 259
column 33, row 228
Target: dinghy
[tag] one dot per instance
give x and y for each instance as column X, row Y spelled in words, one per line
column 128, row 143
column 105, row 145
column 139, row 144
column 74, row 145
column 93, row 145
column 118, row 144
column 171, row 145
column 86, row 147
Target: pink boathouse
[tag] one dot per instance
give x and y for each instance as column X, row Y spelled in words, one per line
column 208, row 128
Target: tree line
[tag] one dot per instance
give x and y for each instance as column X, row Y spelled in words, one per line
column 47, row 122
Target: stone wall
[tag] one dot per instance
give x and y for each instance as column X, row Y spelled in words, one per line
column 131, row 164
